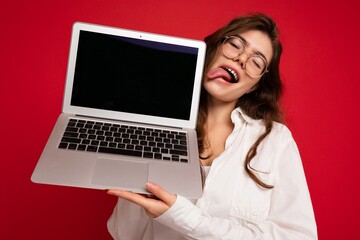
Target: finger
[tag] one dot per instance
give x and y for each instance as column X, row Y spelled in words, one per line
column 161, row 193
column 130, row 196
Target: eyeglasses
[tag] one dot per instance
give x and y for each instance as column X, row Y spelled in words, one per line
column 255, row 65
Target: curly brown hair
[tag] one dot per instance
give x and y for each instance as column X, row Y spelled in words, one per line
column 261, row 103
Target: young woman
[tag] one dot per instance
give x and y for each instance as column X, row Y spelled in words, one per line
column 254, row 184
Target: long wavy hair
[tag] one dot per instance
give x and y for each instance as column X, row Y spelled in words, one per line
column 261, row 103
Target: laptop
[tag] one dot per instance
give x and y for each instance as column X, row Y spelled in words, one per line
column 129, row 113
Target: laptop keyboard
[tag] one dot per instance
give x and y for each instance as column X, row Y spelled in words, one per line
column 151, row 143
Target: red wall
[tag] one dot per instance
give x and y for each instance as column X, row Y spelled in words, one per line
column 320, row 67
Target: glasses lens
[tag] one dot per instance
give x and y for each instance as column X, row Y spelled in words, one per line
column 255, row 66
column 232, row 47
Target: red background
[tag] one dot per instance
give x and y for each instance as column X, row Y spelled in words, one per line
column 320, row 68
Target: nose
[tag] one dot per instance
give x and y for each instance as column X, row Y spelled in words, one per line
column 241, row 59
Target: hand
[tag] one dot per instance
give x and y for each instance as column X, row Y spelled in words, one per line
column 153, row 207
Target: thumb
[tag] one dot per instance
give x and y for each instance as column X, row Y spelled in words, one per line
column 161, row 193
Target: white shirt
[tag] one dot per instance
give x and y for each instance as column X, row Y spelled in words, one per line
column 233, row 206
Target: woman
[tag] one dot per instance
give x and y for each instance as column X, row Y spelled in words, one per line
column 255, row 186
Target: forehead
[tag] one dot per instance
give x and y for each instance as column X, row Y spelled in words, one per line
column 258, row 41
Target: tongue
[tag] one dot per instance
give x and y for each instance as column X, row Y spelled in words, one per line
column 219, row 73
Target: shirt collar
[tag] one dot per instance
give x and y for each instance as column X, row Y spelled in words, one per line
column 238, row 114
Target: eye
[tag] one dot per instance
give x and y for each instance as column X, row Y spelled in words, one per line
column 235, row 43
column 257, row 62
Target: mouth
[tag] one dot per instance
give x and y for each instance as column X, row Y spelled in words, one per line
column 224, row 72
column 233, row 74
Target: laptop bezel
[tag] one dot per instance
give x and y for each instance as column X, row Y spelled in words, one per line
column 131, row 117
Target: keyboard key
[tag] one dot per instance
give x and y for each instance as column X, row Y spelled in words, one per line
column 100, row 138
column 178, row 152
column 160, row 145
column 112, row 145
column 138, row 148
column 91, row 148
column 85, row 141
column 72, row 146
column 180, row 147
column 180, row 137
column 83, row 130
column 120, row 151
column 96, row 127
column 121, row 145
column 113, row 129
column 130, row 131
column 63, row 145
column 88, row 131
column 91, row 137
column 109, row 139
column 81, row 147
column 131, row 147
column 158, row 156
column 71, row 129
column 83, row 135
column 70, row 140
column 99, row 132
column 71, row 134
column 148, row 155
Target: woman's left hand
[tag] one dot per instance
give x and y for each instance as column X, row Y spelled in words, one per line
column 153, row 207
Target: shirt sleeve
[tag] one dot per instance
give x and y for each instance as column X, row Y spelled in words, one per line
column 290, row 216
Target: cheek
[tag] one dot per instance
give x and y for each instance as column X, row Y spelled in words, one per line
column 250, row 83
column 253, row 86
column 215, row 60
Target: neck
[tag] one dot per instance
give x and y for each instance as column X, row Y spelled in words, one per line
column 219, row 112
column 218, row 126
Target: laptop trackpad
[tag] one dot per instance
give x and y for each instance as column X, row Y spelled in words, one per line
column 120, row 173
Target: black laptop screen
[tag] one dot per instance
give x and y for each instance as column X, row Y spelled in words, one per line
column 134, row 76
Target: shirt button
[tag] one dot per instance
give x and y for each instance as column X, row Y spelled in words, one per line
column 254, row 212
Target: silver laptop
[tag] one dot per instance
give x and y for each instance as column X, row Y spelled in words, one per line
column 129, row 113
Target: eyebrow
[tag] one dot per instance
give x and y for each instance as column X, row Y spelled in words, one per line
column 256, row 52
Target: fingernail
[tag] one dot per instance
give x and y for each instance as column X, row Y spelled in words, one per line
column 149, row 185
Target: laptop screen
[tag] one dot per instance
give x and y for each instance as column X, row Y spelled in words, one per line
column 134, row 75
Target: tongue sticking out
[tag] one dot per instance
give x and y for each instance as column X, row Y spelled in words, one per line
column 220, row 73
